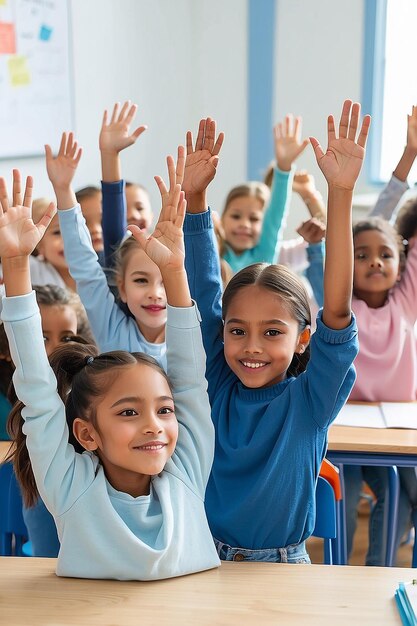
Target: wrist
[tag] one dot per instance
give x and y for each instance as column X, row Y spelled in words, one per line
column 283, row 165
column 196, row 202
column 16, row 275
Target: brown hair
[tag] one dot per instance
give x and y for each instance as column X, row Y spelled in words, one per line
column 87, row 192
column 83, row 376
column 122, row 255
column 284, row 283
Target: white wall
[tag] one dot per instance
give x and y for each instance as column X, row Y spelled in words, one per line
column 184, row 59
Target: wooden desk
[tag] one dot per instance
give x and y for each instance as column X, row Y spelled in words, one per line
column 387, row 441
column 236, row 593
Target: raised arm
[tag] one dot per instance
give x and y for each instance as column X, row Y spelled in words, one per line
column 185, row 353
column 115, row 136
column 341, row 165
column 390, row 196
column 313, row 232
column 303, row 184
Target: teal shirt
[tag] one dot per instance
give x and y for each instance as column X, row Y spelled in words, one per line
column 266, row 251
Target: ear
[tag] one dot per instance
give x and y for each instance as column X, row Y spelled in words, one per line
column 303, row 340
column 86, row 434
column 121, row 289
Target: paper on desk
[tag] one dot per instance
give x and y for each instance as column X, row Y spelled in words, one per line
column 384, row 415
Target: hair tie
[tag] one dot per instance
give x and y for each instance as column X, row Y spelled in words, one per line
column 89, row 360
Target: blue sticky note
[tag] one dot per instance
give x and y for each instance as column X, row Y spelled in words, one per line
column 45, row 33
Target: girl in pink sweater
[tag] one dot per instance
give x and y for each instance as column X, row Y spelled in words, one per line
column 385, row 305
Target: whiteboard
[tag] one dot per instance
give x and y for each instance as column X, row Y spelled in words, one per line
column 35, row 81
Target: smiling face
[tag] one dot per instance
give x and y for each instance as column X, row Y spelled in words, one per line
column 135, row 431
column 261, row 337
column 242, row 223
column 59, row 325
column 376, row 266
column 51, row 246
column 138, row 207
column 142, row 289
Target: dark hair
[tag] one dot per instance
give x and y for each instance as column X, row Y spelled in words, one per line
column 82, row 375
column 406, row 222
column 137, row 185
column 87, row 192
column 284, row 283
column 382, row 226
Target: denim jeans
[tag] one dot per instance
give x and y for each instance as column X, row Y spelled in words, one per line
column 296, row 553
column 377, row 479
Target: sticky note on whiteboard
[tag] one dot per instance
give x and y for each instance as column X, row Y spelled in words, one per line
column 7, row 38
column 45, row 32
column 18, row 71
column 3, row 3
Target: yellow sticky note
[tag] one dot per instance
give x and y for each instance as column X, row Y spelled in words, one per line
column 18, row 71
column 3, row 3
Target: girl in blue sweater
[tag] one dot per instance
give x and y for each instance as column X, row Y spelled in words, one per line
column 131, row 505
column 271, row 412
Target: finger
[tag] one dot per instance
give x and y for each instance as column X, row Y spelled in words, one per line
column 73, row 150
column 209, row 135
column 139, row 235
column 182, row 208
column 171, row 172
column 173, row 205
column 48, row 152
column 27, row 199
column 62, row 145
column 46, row 218
column 200, row 135
column 344, row 118
column 123, row 111
column 104, row 122
column 131, row 113
column 288, row 124
column 70, row 143
column 354, row 121
column 363, row 135
column 189, row 142
column 214, row 161
column 297, row 127
column 137, row 133
column 4, row 199
column 331, row 132
column 115, row 113
column 179, row 170
column 17, row 190
column 218, row 144
column 318, row 150
column 279, row 131
column 78, row 156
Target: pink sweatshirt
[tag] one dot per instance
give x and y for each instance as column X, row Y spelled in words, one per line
column 386, row 365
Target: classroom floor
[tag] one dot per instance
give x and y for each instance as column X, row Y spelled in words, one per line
column 360, row 546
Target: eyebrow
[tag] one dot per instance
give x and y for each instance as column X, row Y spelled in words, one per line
column 261, row 323
column 137, row 399
column 139, row 272
column 384, row 245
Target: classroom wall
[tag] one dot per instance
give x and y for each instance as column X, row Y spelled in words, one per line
column 185, row 59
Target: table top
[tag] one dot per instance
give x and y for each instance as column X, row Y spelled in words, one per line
column 235, row 593
column 374, row 440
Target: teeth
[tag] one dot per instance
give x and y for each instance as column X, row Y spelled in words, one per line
column 151, row 447
column 253, row 365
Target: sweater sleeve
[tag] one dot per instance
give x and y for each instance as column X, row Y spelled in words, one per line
column 61, row 474
column 388, row 200
column 186, row 369
column 405, row 292
column 330, row 374
column 114, row 218
column 203, row 270
column 315, row 270
column 110, row 326
column 275, row 218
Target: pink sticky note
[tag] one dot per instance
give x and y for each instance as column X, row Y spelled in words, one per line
column 7, row 38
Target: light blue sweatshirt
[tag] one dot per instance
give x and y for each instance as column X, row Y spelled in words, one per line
column 112, row 328
column 106, row 533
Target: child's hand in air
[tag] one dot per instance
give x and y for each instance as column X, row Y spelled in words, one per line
column 312, row 231
column 19, row 236
column 412, row 131
column 342, row 161
column 165, row 247
column 303, row 184
column 61, row 169
column 201, row 161
column 115, row 135
column 288, row 146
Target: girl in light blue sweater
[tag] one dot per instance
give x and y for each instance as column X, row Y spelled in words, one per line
column 131, row 505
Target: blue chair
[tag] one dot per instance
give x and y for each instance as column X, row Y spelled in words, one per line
column 326, row 524
column 13, row 532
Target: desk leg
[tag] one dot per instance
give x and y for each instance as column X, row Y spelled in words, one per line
column 341, row 556
column 392, row 514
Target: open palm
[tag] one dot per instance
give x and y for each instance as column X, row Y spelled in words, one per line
column 201, row 161
column 115, row 135
column 19, row 236
column 342, row 161
column 61, row 169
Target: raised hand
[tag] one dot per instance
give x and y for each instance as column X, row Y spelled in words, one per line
column 342, row 161
column 19, row 236
column 201, row 161
column 312, row 231
column 165, row 247
column 303, row 184
column 412, row 130
column 288, row 145
column 115, row 135
column 61, row 169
